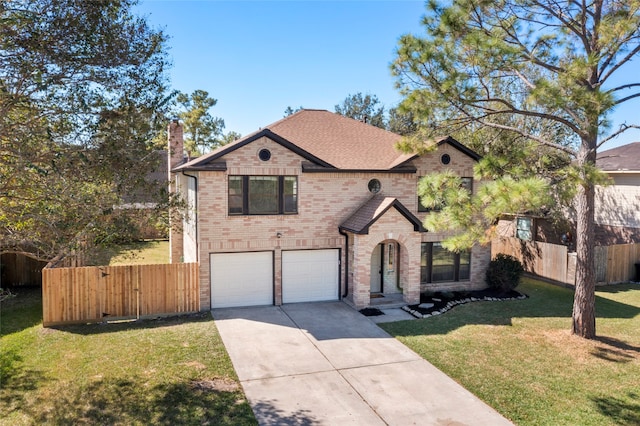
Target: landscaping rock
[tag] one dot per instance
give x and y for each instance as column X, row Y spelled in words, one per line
column 431, row 305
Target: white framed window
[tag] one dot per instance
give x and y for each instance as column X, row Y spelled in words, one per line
column 524, row 228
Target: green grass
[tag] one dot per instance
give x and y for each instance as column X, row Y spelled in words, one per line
column 138, row 253
column 520, row 357
column 168, row 371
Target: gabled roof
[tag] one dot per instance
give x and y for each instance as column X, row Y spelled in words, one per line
column 620, row 159
column 327, row 141
column 367, row 214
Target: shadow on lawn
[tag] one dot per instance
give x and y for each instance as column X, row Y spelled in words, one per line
column 617, row 288
column 622, row 412
column 131, row 401
column 28, row 393
column 16, row 381
column 22, row 311
column 615, row 350
column 141, row 324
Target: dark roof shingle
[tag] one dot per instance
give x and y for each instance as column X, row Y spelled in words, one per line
column 329, row 141
column 360, row 221
column 622, row 158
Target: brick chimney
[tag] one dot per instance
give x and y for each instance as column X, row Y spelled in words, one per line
column 176, row 145
column 175, row 158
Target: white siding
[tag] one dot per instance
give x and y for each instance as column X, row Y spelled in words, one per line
column 619, row 203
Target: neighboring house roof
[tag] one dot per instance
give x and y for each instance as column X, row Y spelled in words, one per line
column 327, row 141
column 622, row 158
column 365, row 216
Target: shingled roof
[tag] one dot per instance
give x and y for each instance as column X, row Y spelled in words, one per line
column 623, row 158
column 327, row 141
column 360, row 221
column 343, row 142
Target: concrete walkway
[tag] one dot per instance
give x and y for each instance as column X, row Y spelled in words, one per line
column 325, row 363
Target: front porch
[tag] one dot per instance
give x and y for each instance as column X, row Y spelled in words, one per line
column 383, row 256
column 382, row 301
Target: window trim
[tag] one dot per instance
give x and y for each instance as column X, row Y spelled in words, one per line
column 282, row 205
column 530, row 230
column 426, row 276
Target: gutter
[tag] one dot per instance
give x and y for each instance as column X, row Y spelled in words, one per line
column 346, row 262
column 195, row 178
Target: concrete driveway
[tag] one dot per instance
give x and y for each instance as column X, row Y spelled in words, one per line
column 325, row 363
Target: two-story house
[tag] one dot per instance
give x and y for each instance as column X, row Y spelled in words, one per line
column 617, row 205
column 316, row 207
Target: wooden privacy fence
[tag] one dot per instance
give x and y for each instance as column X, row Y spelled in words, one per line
column 20, row 269
column 614, row 264
column 98, row 293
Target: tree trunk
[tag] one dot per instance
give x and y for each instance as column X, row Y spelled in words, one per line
column 584, row 310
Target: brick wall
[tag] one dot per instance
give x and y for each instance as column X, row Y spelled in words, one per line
column 325, row 200
column 390, row 227
column 175, row 142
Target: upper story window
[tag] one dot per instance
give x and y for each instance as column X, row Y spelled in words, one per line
column 264, row 154
column 374, row 186
column 465, row 182
column 263, row 195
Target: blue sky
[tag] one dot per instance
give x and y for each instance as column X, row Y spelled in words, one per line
column 258, row 57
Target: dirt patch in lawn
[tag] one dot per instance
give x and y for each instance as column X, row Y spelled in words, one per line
column 215, row 385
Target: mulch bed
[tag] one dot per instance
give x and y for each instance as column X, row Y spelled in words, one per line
column 440, row 302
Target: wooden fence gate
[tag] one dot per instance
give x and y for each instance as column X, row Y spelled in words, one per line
column 98, row 293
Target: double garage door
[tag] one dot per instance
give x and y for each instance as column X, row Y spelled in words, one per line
column 247, row 279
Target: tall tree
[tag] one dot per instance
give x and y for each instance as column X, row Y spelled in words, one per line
column 559, row 61
column 230, row 137
column 289, row 111
column 203, row 131
column 82, row 91
column 401, row 122
column 364, row 108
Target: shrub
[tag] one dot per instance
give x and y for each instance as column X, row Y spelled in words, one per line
column 504, row 272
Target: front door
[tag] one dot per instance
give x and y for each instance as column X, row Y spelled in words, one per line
column 376, row 268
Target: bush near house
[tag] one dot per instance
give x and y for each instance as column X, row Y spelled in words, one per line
column 504, row 272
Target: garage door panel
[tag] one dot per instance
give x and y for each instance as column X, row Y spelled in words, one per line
column 310, row 275
column 241, row 279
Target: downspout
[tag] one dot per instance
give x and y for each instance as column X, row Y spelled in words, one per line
column 346, row 262
column 195, row 178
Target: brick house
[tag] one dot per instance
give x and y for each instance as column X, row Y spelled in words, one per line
column 316, row 207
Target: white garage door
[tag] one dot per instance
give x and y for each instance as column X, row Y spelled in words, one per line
column 310, row 275
column 241, row 279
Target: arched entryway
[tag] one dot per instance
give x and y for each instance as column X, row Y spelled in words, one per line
column 385, row 269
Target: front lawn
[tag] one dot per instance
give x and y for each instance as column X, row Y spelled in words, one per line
column 166, row 371
column 137, row 253
column 520, row 358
